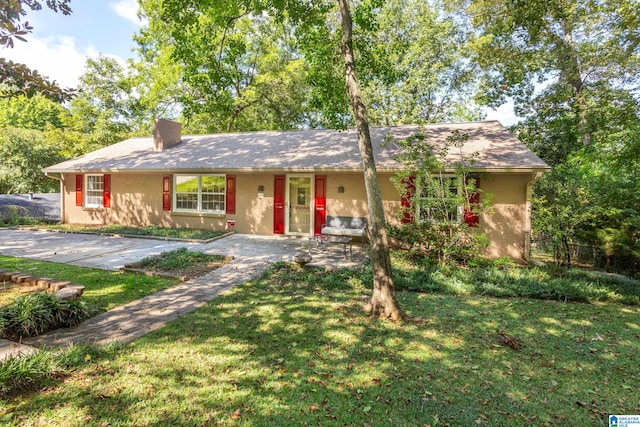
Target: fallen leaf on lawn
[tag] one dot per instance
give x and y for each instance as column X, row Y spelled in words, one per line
column 236, row 414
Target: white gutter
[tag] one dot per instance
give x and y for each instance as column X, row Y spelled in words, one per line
column 62, row 207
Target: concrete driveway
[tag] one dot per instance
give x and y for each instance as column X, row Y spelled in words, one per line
column 112, row 253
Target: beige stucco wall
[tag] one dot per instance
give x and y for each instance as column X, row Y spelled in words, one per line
column 506, row 227
column 136, row 200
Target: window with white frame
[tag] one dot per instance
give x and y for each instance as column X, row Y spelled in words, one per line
column 94, row 191
column 200, row 193
column 439, row 199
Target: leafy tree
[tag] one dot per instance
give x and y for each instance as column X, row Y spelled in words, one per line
column 106, row 111
column 383, row 301
column 236, row 72
column 426, row 76
column 25, row 152
column 570, row 45
column 16, row 78
column 584, row 57
column 36, row 112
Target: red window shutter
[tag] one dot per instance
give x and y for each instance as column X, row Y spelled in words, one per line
column 471, row 218
column 231, row 194
column 406, row 202
column 278, row 204
column 320, row 209
column 106, row 190
column 79, row 183
column 166, row 193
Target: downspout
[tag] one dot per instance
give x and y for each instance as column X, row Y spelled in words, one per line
column 62, row 207
column 527, row 220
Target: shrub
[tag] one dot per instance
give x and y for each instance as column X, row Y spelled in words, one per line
column 442, row 242
column 179, row 258
column 27, row 371
column 36, row 313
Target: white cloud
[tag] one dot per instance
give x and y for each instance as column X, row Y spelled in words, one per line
column 127, row 9
column 59, row 58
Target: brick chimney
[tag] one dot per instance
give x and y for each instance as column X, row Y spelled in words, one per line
column 166, row 133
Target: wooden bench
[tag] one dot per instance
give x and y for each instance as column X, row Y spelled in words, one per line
column 345, row 226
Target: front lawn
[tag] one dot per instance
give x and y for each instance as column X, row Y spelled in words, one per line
column 293, row 348
column 104, row 290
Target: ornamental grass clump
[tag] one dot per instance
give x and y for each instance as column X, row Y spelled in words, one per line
column 34, row 314
column 27, row 371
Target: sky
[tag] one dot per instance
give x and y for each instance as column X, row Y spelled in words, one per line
column 59, row 45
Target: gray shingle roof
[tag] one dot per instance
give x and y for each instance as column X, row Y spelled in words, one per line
column 301, row 150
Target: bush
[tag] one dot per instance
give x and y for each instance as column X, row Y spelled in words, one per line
column 503, row 278
column 36, row 313
column 442, row 242
column 27, row 371
column 179, row 258
column 35, row 369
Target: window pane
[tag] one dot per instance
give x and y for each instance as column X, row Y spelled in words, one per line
column 186, row 184
column 95, row 183
column 213, row 184
column 439, row 201
column 213, row 202
column 94, row 190
column 187, row 201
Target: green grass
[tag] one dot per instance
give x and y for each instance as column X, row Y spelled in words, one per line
column 104, row 290
column 152, row 231
column 42, row 367
column 293, row 348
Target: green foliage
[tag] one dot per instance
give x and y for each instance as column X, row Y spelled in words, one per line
column 150, row 230
column 36, row 112
column 16, row 215
column 39, row 368
column 584, row 113
column 504, row 279
column 18, row 79
column 238, row 72
column 439, row 200
column 177, row 259
column 592, row 199
column 79, row 355
column 25, row 153
column 418, row 71
column 33, row 314
column 28, row 371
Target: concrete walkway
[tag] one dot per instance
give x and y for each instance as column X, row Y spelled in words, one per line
column 253, row 254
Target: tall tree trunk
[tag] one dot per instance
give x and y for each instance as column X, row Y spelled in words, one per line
column 383, row 301
column 570, row 67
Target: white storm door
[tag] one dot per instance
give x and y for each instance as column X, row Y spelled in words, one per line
column 298, row 216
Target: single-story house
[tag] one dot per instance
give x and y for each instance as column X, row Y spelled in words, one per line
column 283, row 182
